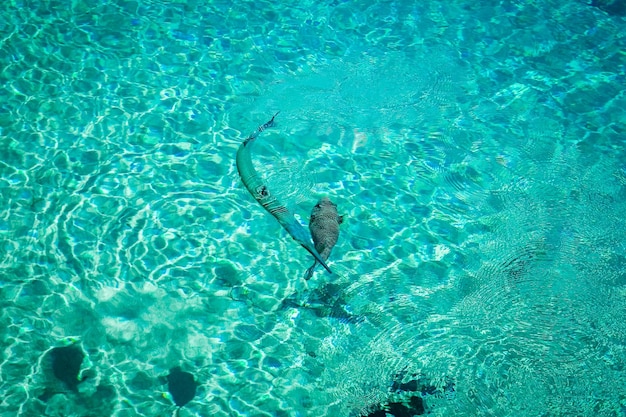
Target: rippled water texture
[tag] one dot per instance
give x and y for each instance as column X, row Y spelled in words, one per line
column 475, row 149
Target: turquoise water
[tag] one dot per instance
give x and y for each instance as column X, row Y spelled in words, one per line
column 476, row 150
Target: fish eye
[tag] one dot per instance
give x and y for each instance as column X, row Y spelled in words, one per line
column 262, row 191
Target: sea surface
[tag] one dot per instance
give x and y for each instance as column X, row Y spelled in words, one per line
column 476, row 149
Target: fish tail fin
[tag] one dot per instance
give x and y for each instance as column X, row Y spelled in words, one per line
column 316, row 255
column 300, row 235
column 268, row 124
column 309, row 272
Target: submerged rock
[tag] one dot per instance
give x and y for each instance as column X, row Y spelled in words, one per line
column 612, row 7
column 66, row 363
column 181, row 385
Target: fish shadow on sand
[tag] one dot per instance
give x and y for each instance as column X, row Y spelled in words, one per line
column 327, row 300
column 407, row 398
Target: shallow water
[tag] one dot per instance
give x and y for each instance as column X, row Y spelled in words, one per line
column 476, row 153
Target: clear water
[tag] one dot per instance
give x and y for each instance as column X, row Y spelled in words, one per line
column 476, row 150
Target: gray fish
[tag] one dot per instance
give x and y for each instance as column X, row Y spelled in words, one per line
column 324, row 227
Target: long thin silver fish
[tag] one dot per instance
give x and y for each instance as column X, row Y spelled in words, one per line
column 262, row 194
